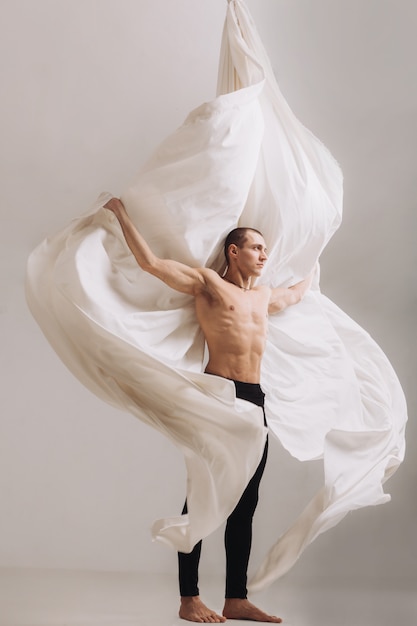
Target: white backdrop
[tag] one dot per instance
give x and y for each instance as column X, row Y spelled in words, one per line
column 89, row 87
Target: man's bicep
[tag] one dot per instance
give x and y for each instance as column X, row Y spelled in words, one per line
column 179, row 276
column 280, row 298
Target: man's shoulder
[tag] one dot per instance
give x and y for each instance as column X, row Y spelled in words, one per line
column 209, row 274
column 210, row 282
column 264, row 289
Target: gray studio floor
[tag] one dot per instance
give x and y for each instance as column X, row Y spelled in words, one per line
column 67, row 598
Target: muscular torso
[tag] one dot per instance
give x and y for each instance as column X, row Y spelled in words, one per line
column 234, row 323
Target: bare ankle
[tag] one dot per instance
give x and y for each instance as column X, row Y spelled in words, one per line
column 194, row 610
column 242, row 609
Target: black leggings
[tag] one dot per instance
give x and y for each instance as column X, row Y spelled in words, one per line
column 238, row 533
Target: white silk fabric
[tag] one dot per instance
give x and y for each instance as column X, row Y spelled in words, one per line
column 331, row 394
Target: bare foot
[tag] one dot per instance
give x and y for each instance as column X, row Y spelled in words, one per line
column 193, row 610
column 236, row 608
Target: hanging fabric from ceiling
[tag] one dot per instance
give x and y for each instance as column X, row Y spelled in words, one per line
column 331, row 393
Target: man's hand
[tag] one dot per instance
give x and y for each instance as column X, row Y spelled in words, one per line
column 115, row 205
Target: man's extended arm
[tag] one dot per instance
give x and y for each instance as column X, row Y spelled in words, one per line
column 283, row 297
column 177, row 275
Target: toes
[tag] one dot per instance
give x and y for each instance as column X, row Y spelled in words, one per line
column 213, row 619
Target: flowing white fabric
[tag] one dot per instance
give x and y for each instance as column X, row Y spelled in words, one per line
column 331, row 393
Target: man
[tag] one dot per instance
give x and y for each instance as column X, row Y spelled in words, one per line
column 233, row 315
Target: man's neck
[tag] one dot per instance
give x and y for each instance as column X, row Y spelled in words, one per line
column 238, row 280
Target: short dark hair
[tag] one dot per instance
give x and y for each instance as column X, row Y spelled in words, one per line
column 237, row 236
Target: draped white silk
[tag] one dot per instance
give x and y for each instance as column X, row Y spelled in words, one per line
column 330, row 391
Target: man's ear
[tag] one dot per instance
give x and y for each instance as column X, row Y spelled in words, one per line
column 233, row 249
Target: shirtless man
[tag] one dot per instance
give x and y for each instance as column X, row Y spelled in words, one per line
column 232, row 313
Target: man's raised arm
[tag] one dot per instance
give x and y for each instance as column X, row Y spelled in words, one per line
column 177, row 275
column 283, row 297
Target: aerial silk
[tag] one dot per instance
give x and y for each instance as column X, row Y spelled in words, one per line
column 331, row 394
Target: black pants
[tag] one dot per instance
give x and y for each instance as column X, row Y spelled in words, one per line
column 238, row 533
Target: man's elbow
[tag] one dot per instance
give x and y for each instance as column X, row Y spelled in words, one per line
column 151, row 265
column 148, row 267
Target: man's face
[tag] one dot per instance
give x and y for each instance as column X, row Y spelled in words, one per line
column 251, row 257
